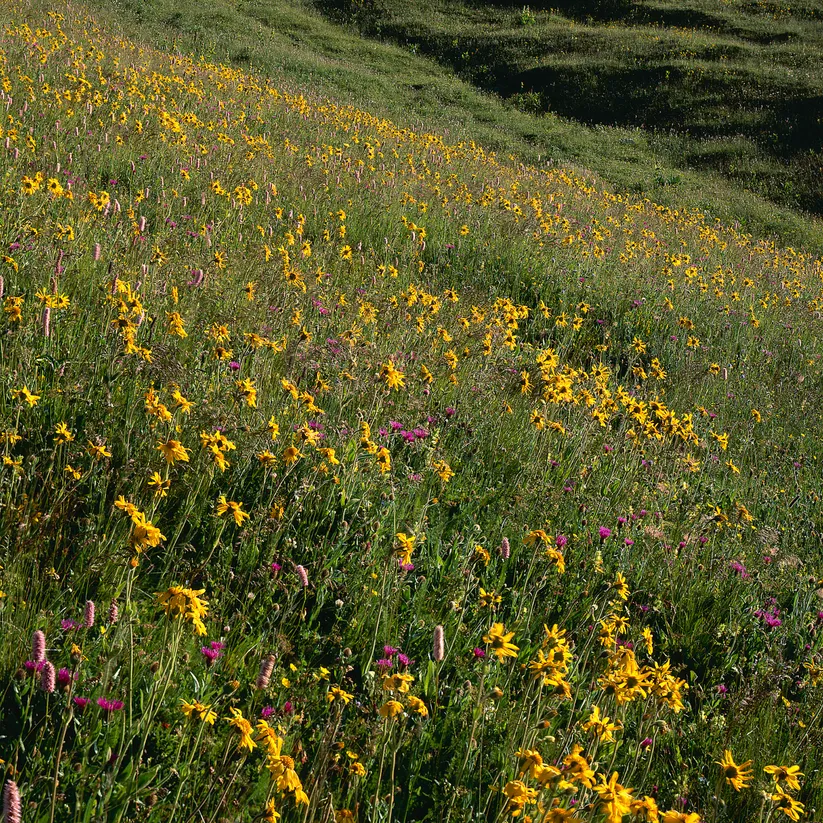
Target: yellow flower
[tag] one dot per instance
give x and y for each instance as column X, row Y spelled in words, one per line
column 602, row 727
column 443, row 470
column 291, row 454
column 244, row 729
column 173, row 450
column 62, row 434
column 788, row 805
column 500, row 642
column 394, row 378
column 97, row 451
column 160, row 486
column 390, row 709
column 26, row 395
column 786, row 774
column 406, row 542
column 681, row 817
column 615, row 800
column 417, row 706
column 234, row 507
column 621, row 586
column 336, row 693
column 736, row 776
column 247, row 391
column 178, row 601
column 519, row 795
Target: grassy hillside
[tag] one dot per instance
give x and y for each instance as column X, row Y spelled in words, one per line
column 732, row 88
column 351, row 471
column 292, row 39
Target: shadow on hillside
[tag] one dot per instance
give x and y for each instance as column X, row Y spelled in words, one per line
column 672, row 98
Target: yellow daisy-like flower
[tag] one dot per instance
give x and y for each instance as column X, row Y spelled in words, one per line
column 737, row 776
column 500, row 641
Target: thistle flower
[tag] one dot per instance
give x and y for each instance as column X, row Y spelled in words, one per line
column 439, row 650
column 65, row 677
column 88, row 615
column 80, row 703
column 47, row 677
column 38, row 646
column 108, row 705
column 11, row 803
column 266, row 668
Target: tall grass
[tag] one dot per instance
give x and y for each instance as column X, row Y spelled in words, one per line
column 351, row 472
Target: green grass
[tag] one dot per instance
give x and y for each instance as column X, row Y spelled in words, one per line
column 729, row 89
column 254, row 340
column 738, row 179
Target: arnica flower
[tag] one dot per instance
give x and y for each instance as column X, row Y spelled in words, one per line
column 234, row 507
column 11, row 803
column 336, row 693
column 788, row 805
column 681, row 817
column 500, row 642
column 737, row 776
column 177, row 601
column 390, row 709
column 785, row 774
column 202, row 710
column 244, row 729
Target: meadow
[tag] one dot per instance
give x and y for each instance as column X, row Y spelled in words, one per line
column 354, row 472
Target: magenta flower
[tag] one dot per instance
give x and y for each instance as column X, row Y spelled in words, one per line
column 65, row 676
column 479, row 653
column 604, row 533
column 108, row 705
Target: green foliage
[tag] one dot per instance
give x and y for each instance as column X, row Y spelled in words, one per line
column 290, row 390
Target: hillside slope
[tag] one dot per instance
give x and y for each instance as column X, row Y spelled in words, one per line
column 290, row 38
column 355, row 472
column 734, row 89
